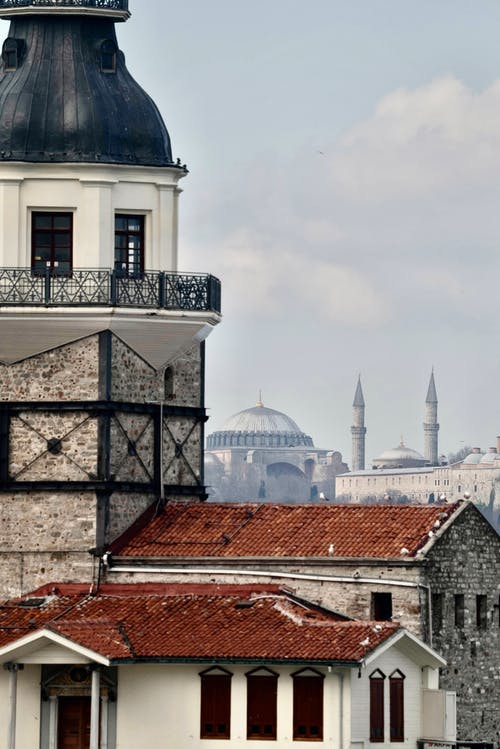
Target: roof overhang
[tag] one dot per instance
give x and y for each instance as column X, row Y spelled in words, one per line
column 32, row 648
column 61, row 10
column 414, row 648
column 157, row 336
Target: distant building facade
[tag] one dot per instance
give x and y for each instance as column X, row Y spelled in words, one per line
column 262, row 454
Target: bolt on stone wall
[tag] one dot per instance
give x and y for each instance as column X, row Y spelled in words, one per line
column 467, row 563
column 66, row 373
column 132, row 447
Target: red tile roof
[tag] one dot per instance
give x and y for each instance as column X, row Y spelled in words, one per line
column 200, row 622
column 267, row 530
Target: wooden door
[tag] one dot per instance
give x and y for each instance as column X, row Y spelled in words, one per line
column 74, row 723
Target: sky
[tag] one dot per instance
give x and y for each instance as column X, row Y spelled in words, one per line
column 344, row 185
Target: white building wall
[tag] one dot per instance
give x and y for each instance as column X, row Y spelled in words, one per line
column 167, row 699
column 93, row 193
column 28, row 714
column 388, row 662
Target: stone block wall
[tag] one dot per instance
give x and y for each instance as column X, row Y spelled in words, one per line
column 67, row 373
column 351, row 597
column 466, row 562
column 133, row 379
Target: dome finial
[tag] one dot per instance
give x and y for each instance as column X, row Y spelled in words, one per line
column 260, row 403
column 402, row 443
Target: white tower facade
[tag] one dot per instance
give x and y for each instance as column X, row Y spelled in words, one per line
column 358, row 429
column 102, row 338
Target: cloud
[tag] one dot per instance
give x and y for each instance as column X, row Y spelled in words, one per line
column 397, row 221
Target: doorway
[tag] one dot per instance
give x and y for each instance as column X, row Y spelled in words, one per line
column 73, row 723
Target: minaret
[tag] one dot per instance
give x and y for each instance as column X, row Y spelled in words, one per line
column 431, row 426
column 102, row 338
column 358, row 429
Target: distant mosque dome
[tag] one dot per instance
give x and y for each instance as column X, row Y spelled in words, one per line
column 400, row 457
column 474, row 458
column 259, row 427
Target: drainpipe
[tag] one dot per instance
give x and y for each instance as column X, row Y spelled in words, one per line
column 341, row 711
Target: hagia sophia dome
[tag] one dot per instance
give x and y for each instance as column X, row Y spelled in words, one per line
column 259, row 427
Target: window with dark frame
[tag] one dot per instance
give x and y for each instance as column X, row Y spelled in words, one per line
column 129, row 244
column 52, row 242
column 459, row 610
column 481, row 611
column 11, row 54
column 262, row 694
column 437, row 600
column 168, row 379
column 377, row 679
column 397, row 706
column 382, row 607
column 215, row 714
column 307, row 705
column 109, row 52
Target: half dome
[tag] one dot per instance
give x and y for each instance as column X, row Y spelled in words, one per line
column 67, row 96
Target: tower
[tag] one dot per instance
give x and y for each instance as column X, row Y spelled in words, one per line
column 358, row 429
column 431, row 426
column 102, row 338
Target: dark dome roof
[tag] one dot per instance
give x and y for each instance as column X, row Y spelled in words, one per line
column 59, row 107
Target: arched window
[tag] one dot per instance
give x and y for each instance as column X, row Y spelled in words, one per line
column 168, row 381
column 308, row 705
column 11, row 53
column 215, row 713
column 108, row 56
column 377, row 679
column 262, row 694
column 397, row 705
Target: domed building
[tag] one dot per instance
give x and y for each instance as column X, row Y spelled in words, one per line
column 263, row 454
column 400, row 457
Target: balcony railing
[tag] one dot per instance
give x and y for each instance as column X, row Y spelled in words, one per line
column 22, row 287
column 104, row 4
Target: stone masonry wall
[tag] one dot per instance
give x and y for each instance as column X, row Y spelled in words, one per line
column 133, row 379
column 66, row 373
column 45, row 538
column 352, row 598
column 466, row 562
column 23, row 572
column 75, row 457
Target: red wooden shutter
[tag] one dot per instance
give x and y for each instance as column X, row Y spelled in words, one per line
column 308, row 708
column 262, row 694
column 215, row 706
column 376, row 709
column 397, row 719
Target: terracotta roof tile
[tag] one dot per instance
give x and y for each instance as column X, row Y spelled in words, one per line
column 129, row 622
column 267, row 530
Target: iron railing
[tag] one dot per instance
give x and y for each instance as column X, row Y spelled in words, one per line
column 107, row 288
column 104, row 4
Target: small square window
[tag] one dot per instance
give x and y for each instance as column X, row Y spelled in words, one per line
column 381, row 607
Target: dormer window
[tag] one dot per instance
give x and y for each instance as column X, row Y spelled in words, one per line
column 108, row 56
column 11, row 53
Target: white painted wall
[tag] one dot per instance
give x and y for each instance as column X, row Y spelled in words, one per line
column 93, row 193
column 388, row 662
column 28, row 717
column 167, row 699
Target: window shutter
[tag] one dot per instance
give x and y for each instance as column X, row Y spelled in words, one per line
column 397, row 707
column 308, row 708
column 262, row 694
column 376, row 709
